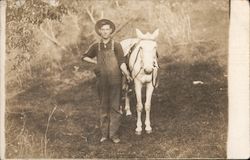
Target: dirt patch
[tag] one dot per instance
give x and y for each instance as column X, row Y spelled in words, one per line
column 189, row 120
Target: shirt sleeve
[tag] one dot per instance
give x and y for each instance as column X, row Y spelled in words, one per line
column 120, row 54
column 91, row 52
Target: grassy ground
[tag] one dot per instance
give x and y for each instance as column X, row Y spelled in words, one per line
column 188, row 120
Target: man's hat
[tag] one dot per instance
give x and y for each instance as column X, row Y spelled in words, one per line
column 102, row 22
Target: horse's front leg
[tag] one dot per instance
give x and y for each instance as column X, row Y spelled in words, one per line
column 149, row 91
column 139, row 107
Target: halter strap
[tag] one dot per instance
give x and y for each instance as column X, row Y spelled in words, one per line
column 136, row 58
column 134, row 64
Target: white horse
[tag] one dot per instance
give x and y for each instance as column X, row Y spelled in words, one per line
column 143, row 67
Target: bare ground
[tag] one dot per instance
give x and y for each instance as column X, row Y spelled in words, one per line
column 189, row 121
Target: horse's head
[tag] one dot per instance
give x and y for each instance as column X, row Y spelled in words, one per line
column 148, row 49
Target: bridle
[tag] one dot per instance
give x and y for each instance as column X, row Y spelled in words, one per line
column 136, row 58
column 131, row 70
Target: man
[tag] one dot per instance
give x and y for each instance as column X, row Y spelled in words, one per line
column 110, row 66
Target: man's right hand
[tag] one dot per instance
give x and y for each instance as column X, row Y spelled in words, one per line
column 82, row 58
column 126, row 72
column 90, row 60
column 129, row 78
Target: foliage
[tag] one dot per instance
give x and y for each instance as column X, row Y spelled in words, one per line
column 54, row 34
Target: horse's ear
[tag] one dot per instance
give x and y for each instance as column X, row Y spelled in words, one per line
column 155, row 33
column 139, row 33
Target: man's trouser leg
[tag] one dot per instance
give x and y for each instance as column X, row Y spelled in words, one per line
column 115, row 115
column 104, row 107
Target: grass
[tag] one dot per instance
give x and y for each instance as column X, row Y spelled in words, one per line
column 189, row 121
column 24, row 142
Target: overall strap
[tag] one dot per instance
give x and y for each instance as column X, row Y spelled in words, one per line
column 112, row 45
column 113, row 49
column 99, row 46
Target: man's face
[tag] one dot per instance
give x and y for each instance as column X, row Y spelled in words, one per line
column 105, row 31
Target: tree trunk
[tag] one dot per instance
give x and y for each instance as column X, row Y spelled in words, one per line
column 238, row 145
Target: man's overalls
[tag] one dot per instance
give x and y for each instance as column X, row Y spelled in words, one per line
column 109, row 90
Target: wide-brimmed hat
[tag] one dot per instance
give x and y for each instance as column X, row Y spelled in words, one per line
column 102, row 22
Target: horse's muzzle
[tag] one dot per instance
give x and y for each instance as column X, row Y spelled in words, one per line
column 148, row 70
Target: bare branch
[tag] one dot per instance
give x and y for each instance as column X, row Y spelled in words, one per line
column 46, row 131
column 102, row 15
column 52, row 37
column 70, row 13
column 91, row 10
column 117, row 4
column 51, row 29
column 90, row 13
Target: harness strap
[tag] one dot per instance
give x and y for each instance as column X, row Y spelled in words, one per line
column 132, row 48
column 155, row 78
column 99, row 46
column 134, row 64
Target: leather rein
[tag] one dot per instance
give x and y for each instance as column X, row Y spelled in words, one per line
column 130, row 70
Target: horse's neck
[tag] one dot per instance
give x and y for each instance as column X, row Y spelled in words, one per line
column 127, row 44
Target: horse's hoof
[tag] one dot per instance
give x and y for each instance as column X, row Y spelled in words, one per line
column 149, row 131
column 120, row 110
column 128, row 114
column 138, row 133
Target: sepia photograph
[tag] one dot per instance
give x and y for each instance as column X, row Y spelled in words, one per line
column 121, row 79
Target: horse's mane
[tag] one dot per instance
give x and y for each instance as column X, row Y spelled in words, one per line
column 127, row 44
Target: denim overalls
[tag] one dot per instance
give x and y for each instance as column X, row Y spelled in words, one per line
column 109, row 90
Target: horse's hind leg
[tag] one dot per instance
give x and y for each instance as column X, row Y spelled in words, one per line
column 125, row 89
column 149, row 92
column 127, row 105
column 139, row 106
